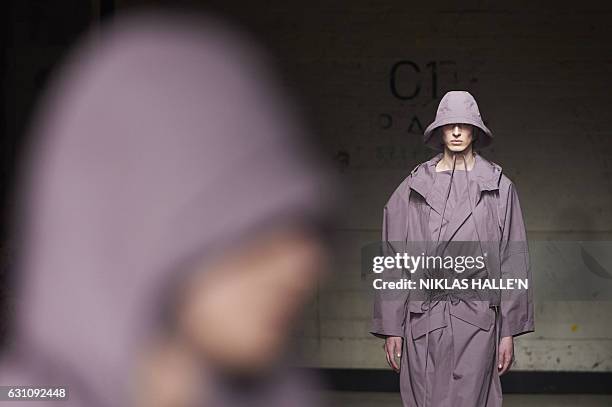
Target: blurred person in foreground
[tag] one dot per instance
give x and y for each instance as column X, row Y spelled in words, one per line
column 171, row 219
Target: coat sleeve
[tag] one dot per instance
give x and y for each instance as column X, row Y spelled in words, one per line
column 390, row 306
column 516, row 305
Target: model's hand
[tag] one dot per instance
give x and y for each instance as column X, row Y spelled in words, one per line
column 393, row 349
column 506, row 354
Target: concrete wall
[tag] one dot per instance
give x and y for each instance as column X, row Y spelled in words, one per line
column 371, row 76
column 542, row 80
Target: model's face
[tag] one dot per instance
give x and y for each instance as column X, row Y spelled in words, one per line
column 457, row 137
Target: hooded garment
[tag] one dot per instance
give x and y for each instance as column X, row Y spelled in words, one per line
column 164, row 141
column 449, row 352
column 457, row 106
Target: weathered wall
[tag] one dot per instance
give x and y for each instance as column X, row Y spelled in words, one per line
column 371, row 76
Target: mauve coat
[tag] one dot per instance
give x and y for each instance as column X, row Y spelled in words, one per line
column 449, row 352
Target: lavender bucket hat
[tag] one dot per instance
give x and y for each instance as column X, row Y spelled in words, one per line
column 457, row 106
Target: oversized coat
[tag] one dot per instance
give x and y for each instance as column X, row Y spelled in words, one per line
column 449, row 352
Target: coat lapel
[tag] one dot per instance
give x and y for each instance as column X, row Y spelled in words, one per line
column 462, row 211
column 483, row 177
column 423, row 180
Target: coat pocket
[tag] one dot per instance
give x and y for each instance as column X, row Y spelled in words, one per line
column 418, row 323
column 481, row 317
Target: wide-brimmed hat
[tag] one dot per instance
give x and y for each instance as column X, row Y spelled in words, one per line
column 457, row 106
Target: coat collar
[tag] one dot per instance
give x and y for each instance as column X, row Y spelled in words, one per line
column 485, row 174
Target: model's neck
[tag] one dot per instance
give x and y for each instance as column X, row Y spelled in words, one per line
column 466, row 156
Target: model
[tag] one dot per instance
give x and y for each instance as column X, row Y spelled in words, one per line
column 449, row 348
